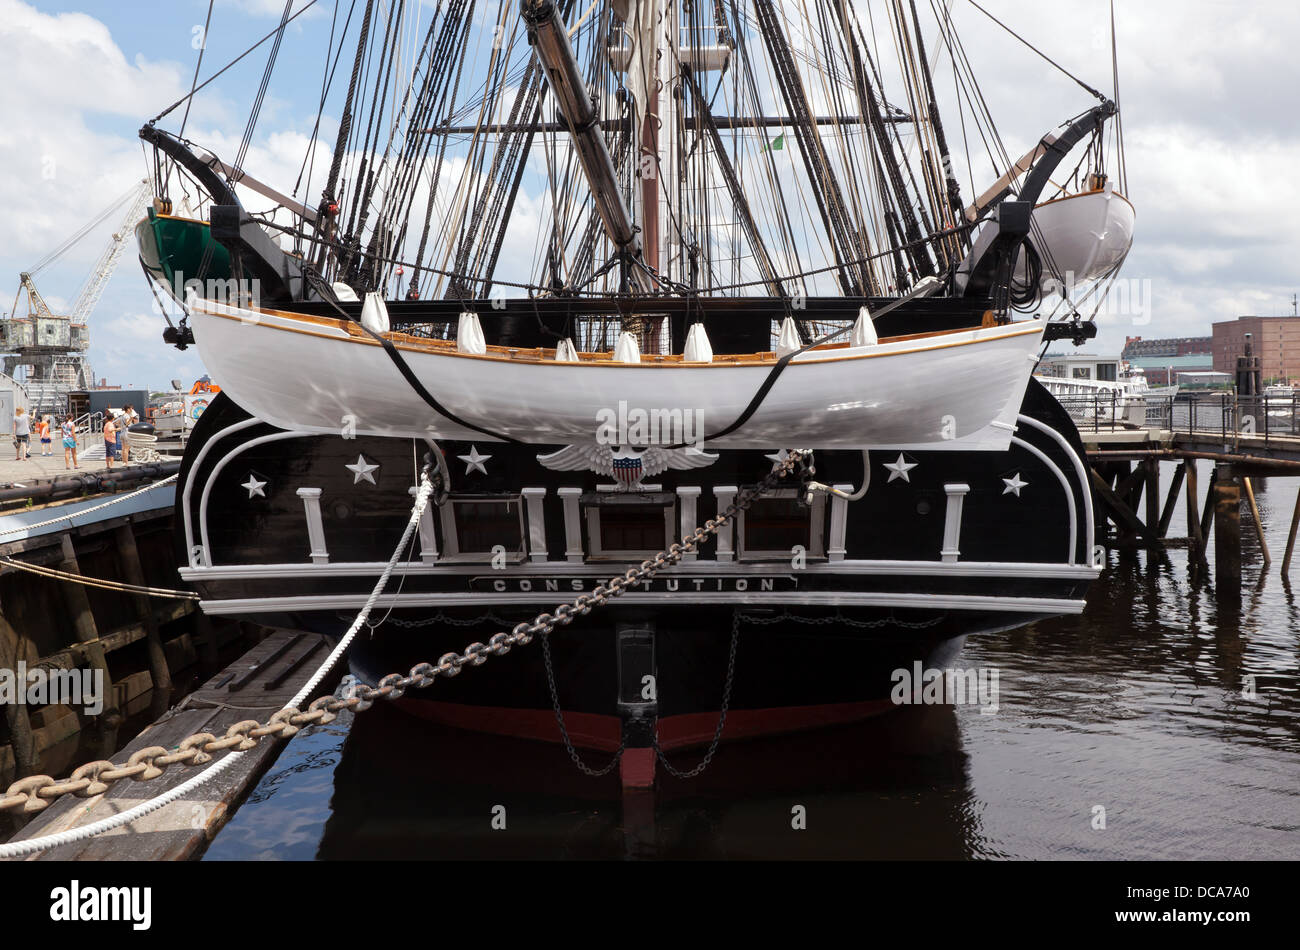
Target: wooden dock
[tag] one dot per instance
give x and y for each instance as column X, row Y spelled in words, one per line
column 1124, row 463
column 254, row 687
column 118, row 536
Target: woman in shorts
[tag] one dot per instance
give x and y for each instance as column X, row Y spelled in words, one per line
column 69, row 430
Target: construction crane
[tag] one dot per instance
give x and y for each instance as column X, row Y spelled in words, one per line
column 51, row 347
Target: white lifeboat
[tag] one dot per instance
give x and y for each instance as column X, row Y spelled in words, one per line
column 1079, row 237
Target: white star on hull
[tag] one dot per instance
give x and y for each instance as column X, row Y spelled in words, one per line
column 474, row 461
column 362, row 469
column 1014, row 484
column 254, row 486
column 900, row 468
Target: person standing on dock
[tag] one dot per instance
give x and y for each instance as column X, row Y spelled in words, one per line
column 111, row 448
column 43, row 430
column 22, row 435
column 127, row 419
column 69, row 429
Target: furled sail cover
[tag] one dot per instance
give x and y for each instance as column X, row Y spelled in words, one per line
column 469, row 335
column 698, row 348
column 374, row 314
column 788, row 340
column 627, row 350
column 864, row 331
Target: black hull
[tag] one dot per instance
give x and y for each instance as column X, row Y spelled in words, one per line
column 788, row 675
column 887, row 586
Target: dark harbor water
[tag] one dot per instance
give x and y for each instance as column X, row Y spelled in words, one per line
column 1143, row 707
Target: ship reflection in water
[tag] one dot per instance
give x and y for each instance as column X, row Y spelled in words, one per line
column 1140, row 707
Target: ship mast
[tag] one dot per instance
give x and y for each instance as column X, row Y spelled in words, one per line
column 547, row 34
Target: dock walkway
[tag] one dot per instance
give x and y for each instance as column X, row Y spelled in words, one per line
column 254, row 687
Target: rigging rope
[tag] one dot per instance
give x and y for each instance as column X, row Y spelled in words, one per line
column 203, row 47
column 1035, row 49
column 186, row 98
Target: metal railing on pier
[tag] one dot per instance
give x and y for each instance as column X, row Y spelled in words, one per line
column 1217, row 414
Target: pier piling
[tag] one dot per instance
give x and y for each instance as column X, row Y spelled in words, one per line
column 133, row 572
column 87, row 633
column 1290, row 538
column 1171, row 502
column 1259, row 525
column 16, row 715
column 1194, row 534
column 1227, row 533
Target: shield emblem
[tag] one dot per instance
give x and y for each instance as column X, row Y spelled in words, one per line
column 627, row 469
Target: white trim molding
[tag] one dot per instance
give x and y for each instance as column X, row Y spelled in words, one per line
column 533, row 502
column 725, row 495
column 348, row 602
column 956, row 492
column 570, row 498
column 428, row 537
column 688, row 498
column 315, row 525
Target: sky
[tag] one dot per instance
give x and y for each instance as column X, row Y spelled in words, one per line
column 1212, row 134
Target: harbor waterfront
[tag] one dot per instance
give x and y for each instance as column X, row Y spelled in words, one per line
column 843, row 454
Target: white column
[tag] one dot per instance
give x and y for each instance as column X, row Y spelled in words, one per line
column 536, row 523
column 835, row 549
column 569, row 497
column 725, row 494
column 428, row 540
column 688, row 515
column 315, row 524
column 952, row 520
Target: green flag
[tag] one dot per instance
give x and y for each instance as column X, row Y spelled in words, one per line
column 776, row 144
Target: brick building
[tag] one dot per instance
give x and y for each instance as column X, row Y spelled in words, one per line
column 1163, row 360
column 1137, row 348
column 1275, row 340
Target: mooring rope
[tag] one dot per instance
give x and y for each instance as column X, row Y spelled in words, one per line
column 85, row 511
column 36, row 792
column 75, row 578
column 45, row 842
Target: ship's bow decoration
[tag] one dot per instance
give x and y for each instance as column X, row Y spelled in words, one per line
column 625, row 464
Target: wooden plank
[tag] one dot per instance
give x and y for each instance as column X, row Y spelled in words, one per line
column 1259, row 525
column 1171, row 502
column 253, row 670
column 1290, row 538
column 1226, row 498
column 180, row 830
column 1152, row 494
column 1207, row 513
column 1120, row 512
column 120, row 637
column 1194, row 533
column 288, row 670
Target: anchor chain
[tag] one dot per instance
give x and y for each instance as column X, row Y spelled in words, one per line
column 722, row 713
column 583, row 767
column 35, row 792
